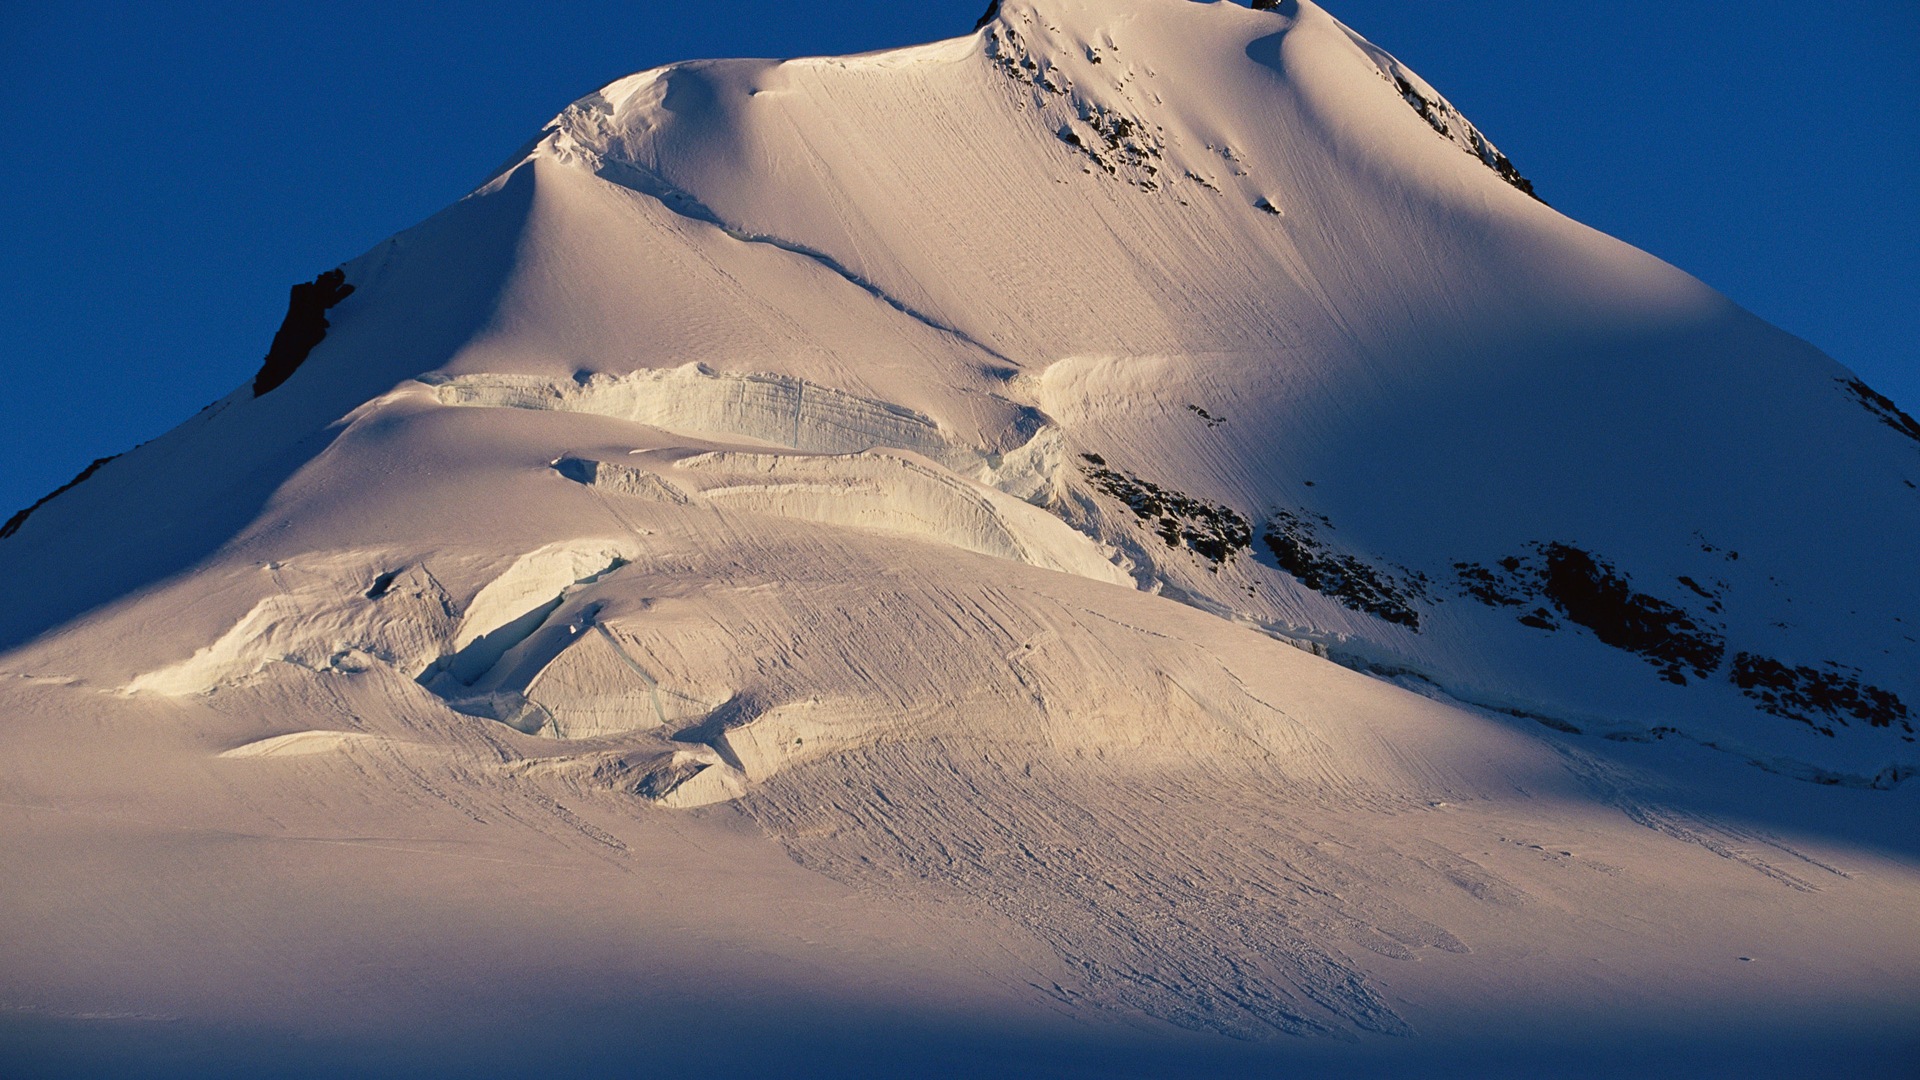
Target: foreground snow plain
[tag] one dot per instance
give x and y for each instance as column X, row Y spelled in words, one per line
column 1121, row 544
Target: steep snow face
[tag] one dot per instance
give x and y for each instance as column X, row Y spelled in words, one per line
column 1240, row 298
column 951, row 455
column 1233, row 293
column 1247, row 266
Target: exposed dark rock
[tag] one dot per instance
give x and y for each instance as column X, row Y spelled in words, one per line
column 1598, row 597
column 993, row 12
column 1555, row 723
column 13, row 523
column 1118, row 142
column 1428, row 110
column 304, row 328
column 1817, row 697
column 1203, row 181
column 1697, row 588
column 1212, row 421
column 1711, row 596
column 578, row 470
column 1215, row 533
column 1883, row 407
column 1503, row 165
column 382, row 585
column 1539, row 619
column 1435, row 113
column 1008, row 52
column 1491, row 589
column 1265, row 5
column 1356, row 584
column 1588, row 592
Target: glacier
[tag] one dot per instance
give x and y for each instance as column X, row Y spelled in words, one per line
column 1132, row 539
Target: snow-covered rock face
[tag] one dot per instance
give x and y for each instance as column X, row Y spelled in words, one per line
column 1196, row 281
column 1002, row 421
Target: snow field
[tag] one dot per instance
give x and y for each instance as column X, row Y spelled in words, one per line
column 872, row 531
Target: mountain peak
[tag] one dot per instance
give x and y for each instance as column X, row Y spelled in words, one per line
column 1036, row 254
column 1137, row 458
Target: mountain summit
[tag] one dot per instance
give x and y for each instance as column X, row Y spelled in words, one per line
column 1150, row 479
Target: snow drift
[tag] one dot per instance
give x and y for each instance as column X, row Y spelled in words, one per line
column 965, row 461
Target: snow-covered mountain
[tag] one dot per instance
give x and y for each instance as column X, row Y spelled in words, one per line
column 962, row 463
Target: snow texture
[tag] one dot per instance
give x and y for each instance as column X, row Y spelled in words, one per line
column 1126, row 529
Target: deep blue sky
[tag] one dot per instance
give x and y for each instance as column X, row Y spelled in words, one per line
column 176, row 166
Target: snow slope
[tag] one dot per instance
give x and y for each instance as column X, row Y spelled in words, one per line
column 940, row 479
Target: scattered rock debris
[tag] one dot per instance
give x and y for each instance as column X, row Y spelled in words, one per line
column 1008, row 51
column 1116, row 142
column 1883, row 407
column 1443, row 118
column 1211, row 420
column 1710, row 595
column 1386, row 594
column 1730, row 556
column 1494, row 590
column 1427, row 109
column 1817, row 697
column 1587, row 591
column 1215, row 533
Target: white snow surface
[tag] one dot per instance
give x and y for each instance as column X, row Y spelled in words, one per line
column 1022, row 539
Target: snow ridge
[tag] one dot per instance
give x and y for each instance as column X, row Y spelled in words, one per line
column 965, row 461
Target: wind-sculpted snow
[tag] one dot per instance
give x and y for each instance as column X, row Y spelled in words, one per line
column 617, row 479
column 696, row 400
column 562, row 670
column 584, row 682
column 894, row 493
column 836, row 698
column 302, row 744
column 869, row 533
column 532, row 585
column 507, row 619
column 1224, row 929
column 318, row 617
